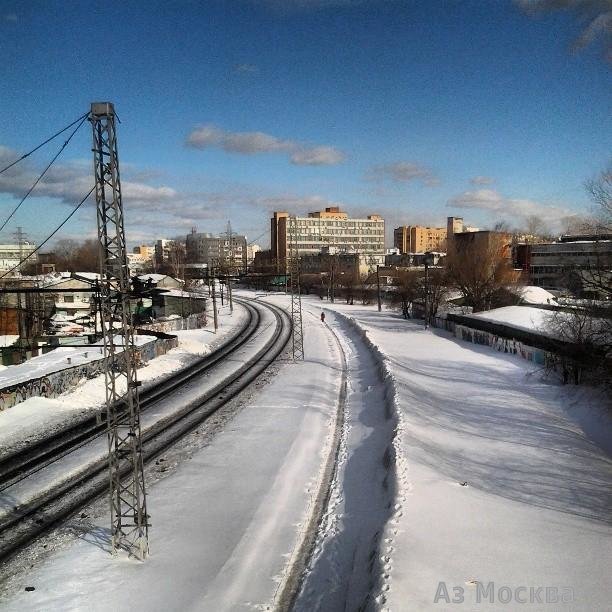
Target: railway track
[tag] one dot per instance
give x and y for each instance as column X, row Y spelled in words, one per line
column 25, row 521
column 19, row 465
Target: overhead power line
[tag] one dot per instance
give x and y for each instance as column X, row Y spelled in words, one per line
column 83, row 119
column 57, row 229
column 42, row 144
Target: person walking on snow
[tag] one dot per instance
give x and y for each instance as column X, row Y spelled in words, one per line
column 322, row 317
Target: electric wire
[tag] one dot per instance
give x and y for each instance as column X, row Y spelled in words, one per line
column 43, row 173
column 42, row 144
column 57, row 229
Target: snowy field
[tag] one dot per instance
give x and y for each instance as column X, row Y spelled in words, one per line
column 497, row 480
column 462, row 475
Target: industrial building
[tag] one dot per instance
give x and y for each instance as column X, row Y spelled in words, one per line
column 568, row 265
column 12, row 254
column 217, row 251
column 330, row 228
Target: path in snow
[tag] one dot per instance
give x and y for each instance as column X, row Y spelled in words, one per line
column 347, row 567
column 536, row 506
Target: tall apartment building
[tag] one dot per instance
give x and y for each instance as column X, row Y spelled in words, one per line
column 145, row 251
column 330, row 228
column 419, row 239
column 215, row 251
column 162, row 251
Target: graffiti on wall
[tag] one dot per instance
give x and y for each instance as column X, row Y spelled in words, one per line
column 59, row 382
column 501, row 344
column 498, row 343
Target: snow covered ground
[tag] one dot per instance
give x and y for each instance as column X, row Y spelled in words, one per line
column 497, row 481
column 39, row 416
column 226, row 522
column 462, row 476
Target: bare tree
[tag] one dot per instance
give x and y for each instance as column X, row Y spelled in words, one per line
column 407, row 284
column 367, row 288
column 600, row 191
column 536, row 228
column 437, row 289
column 74, row 256
column 583, row 335
column 481, row 268
column 587, row 324
column 348, row 285
column 175, row 264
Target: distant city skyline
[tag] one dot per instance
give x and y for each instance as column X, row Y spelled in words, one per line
column 412, row 110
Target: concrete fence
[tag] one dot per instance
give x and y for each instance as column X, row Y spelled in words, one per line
column 502, row 344
column 61, row 381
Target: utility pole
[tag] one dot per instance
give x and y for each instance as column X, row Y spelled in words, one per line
column 428, row 260
column 214, row 299
column 129, row 518
column 20, row 236
column 21, row 311
column 378, row 287
column 231, row 265
column 296, row 298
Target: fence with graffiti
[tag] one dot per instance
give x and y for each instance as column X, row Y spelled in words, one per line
column 56, row 383
column 502, row 343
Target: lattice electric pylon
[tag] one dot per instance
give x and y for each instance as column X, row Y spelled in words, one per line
column 129, row 519
column 293, row 269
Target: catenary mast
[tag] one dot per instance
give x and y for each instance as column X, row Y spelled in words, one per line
column 129, row 519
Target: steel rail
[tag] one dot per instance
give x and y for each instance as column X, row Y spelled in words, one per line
column 37, row 516
column 20, row 464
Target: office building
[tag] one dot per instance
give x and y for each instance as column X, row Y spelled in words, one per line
column 330, row 228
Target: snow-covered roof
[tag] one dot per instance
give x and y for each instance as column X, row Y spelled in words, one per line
column 88, row 275
column 183, row 294
column 58, row 360
column 527, row 318
column 152, row 277
column 537, row 295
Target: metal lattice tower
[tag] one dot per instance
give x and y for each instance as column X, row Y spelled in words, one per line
column 129, row 519
column 293, row 269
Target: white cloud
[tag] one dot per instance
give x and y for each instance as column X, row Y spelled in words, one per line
column 251, row 143
column 150, row 210
column 482, row 180
column 69, row 182
column 596, row 14
column 403, row 172
column 317, row 156
column 498, row 206
column 246, row 69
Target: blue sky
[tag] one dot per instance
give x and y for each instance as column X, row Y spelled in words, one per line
column 232, row 109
